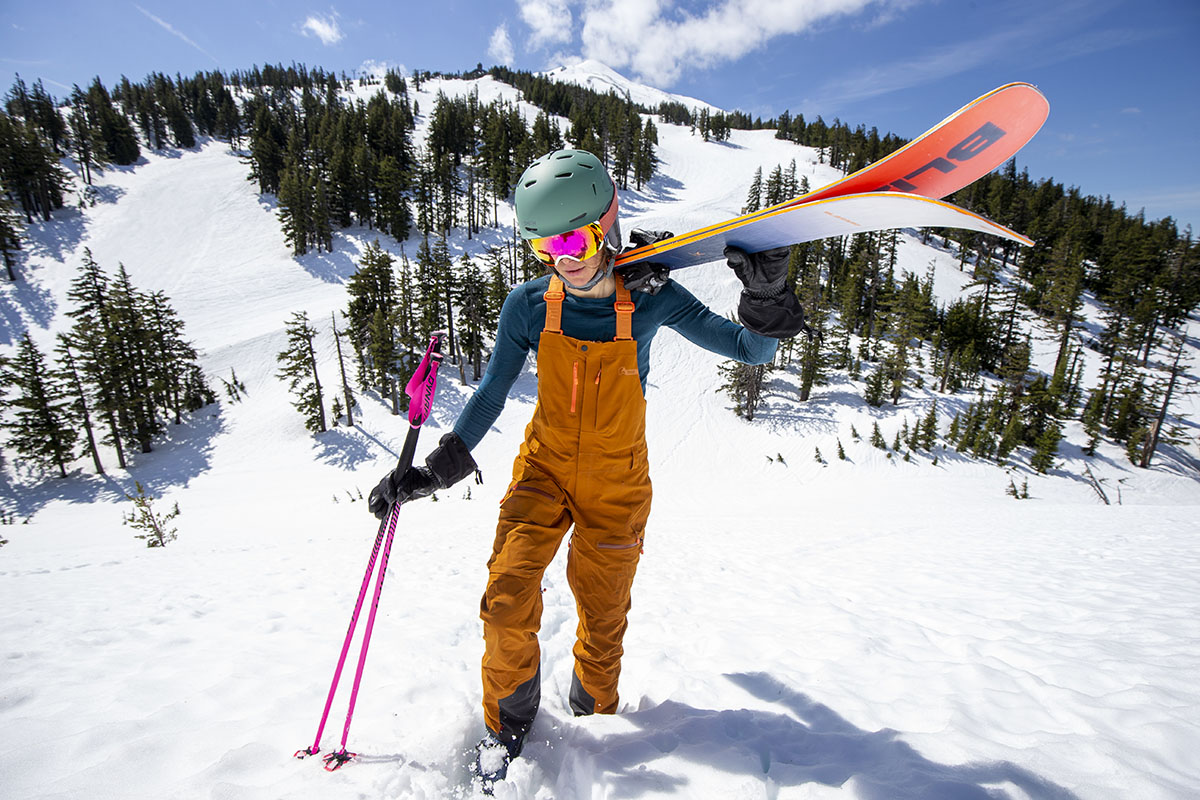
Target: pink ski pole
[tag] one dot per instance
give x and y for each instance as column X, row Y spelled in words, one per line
column 421, row 389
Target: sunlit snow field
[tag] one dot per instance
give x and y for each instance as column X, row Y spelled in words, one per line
column 868, row 628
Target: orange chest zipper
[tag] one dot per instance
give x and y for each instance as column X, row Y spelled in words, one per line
column 574, row 384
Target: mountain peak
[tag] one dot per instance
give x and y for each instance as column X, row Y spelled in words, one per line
column 599, row 77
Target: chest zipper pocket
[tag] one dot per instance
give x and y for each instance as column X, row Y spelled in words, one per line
column 574, row 385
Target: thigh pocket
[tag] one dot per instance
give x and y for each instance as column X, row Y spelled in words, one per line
column 532, row 500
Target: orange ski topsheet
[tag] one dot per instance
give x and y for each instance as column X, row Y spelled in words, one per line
column 956, row 152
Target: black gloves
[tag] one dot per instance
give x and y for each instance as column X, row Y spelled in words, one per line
column 645, row 276
column 448, row 464
column 767, row 307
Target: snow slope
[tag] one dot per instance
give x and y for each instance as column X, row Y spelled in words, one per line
column 871, row 628
column 591, row 74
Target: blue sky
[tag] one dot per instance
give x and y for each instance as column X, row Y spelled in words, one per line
column 1123, row 77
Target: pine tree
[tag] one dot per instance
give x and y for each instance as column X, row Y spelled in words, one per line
column 120, row 141
column 445, row 282
column 1046, row 449
column 1092, row 419
column 877, row 385
column 773, row 190
column 43, row 427
column 321, row 235
column 370, row 312
column 171, row 359
column 392, row 214
column 1010, row 438
column 93, row 337
column 79, row 398
column 267, row 143
column 1178, row 367
column 350, row 401
column 296, row 209
column 754, row 197
column 145, row 518
column 472, row 297
column 877, row 439
column 29, row 169
column 11, row 231
column 645, row 161
column 744, row 383
column 929, row 427
column 299, row 369
column 428, row 283
column 132, row 364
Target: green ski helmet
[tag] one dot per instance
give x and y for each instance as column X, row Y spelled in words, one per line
column 565, row 190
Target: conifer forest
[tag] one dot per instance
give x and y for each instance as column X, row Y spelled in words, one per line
column 327, row 162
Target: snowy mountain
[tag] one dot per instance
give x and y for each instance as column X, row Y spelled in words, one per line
column 869, row 628
column 598, row 77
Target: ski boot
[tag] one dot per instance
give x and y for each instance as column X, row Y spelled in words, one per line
column 492, row 757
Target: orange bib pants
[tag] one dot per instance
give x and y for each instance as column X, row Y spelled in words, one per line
column 583, row 463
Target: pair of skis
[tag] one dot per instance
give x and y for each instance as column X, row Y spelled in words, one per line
column 420, row 389
column 899, row 191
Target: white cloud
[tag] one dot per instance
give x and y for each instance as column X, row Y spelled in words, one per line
column 325, row 28
column 550, row 21
column 500, row 48
column 377, row 69
column 171, row 30
column 659, row 39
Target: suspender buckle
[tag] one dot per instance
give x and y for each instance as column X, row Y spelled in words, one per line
column 555, row 297
column 624, row 306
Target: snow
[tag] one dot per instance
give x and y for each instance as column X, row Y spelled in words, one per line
column 591, row 74
column 869, row 628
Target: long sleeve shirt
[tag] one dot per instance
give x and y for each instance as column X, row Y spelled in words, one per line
column 523, row 318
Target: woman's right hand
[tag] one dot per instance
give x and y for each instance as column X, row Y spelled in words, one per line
column 416, row 482
column 448, row 464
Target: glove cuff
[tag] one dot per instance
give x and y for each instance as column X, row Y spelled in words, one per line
column 780, row 317
column 768, row 291
column 450, row 461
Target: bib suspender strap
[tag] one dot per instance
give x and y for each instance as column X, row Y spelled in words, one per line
column 555, row 295
column 554, row 299
column 624, row 307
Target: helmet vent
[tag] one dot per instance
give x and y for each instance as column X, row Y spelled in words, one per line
column 563, row 175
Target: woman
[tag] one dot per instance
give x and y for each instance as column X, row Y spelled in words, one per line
column 583, row 461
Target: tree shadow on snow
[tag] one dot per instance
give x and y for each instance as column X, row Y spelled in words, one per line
column 58, row 239
column 332, row 267
column 23, row 305
column 659, row 189
column 180, row 453
column 804, row 742
column 345, row 449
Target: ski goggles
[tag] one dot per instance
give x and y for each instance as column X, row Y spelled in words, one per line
column 579, row 244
